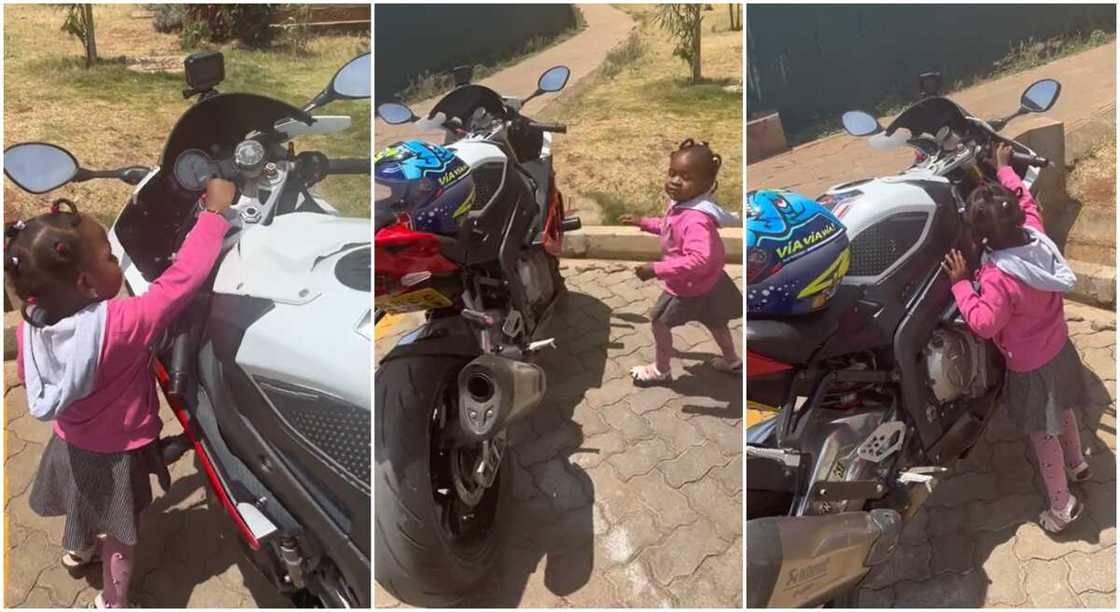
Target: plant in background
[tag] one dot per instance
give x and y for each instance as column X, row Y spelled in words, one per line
column 297, row 30
column 682, row 22
column 218, row 23
column 735, row 16
column 79, row 24
column 167, row 18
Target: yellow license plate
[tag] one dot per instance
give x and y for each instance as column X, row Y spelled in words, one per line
column 421, row 299
column 757, row 413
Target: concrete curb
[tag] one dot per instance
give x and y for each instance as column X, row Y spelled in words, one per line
column 1096, row 284
column 632, row 244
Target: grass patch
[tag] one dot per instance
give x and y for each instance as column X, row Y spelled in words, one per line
column 1021, row 57
column 1092, row 183
column 110, row 116
column 429, row 85
column 624, row 121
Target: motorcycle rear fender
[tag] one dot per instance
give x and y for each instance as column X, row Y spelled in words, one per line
column 438, row 336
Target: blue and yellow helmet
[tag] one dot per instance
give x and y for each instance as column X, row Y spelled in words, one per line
column 427, row 182
column 797, row 252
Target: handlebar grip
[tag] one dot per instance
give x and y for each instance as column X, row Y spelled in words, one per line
column 180, row 363
column 349, row 166
column 1030, row 160
column 559, row 128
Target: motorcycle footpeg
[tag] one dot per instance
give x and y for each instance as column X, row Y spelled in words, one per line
column 828, row 490
column 173, row 448
column 495, row 391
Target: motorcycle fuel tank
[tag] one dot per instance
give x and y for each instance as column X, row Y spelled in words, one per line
column 295, row 264
column 888, row 219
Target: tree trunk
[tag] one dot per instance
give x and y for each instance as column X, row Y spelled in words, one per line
column 695, row 43
column 91, row 41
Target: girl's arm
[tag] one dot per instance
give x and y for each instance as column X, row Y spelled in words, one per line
column 987, row 312
column 651, row 225
column 145, row 316
column 696, row 252
column 1010, row 180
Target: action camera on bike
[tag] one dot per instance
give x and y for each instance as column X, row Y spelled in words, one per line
column 204, row 70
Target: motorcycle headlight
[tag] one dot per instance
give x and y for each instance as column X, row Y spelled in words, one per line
column 365, row 325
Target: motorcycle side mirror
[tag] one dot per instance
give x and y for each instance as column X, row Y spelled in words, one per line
column 39, row 167
column 351, row 82
column 395, row 114
column 859, row 123
column 554, row 79
column 1040, row 96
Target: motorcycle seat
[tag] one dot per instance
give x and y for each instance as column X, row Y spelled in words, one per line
column 791, row 340
column 794, row 339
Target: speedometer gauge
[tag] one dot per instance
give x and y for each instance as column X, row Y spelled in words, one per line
column 193, row 168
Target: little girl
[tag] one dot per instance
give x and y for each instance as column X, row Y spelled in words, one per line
column 85, row 357
column 696, row 286
column 1022, row 277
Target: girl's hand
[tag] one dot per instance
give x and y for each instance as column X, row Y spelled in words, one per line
column 1001, row 155
column 955, row 266
column 629, row 219
column 219, row 195
column 644, row 272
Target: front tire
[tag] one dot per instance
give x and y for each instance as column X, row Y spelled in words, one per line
column 424, row 553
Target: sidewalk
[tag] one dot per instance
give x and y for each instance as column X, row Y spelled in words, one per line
column 606, row 27
column 1088, row 90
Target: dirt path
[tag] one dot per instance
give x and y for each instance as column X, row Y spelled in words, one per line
column 606, row 27
column 1088, row 90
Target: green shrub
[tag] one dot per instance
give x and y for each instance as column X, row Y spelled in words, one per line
column 249, row 23
column 168, row 17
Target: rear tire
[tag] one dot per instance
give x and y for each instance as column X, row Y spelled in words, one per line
column 415, row 557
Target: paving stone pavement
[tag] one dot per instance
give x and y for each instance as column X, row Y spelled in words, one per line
column 187, row 555
column 624, row 497
column 976, row 542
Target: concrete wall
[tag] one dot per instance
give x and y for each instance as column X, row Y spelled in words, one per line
column 813, row 62
column 765, row 138
column 416, row 38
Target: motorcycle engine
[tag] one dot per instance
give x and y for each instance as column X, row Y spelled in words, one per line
column 959, row 365
column 536, row 276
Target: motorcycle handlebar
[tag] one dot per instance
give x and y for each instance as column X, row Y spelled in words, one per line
column 349, row 166
column 559, row 128
column 1030, row 160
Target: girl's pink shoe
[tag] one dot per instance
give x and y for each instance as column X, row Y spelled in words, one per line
column 649, row 375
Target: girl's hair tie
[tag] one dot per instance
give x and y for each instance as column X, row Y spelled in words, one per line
column 31, row 300
column 12, row 263
column 56, row 206
column 61, row 248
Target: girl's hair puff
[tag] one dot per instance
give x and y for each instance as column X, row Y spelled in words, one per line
column 43, row 257
column 710, row 160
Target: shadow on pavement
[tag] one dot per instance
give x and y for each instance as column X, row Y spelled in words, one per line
column 182, row 547
column 985, row 516
column 553, row 496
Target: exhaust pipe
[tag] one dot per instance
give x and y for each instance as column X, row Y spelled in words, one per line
column 494, row 392
column 801, row 561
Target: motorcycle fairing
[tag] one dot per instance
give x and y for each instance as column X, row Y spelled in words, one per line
column 307, row 481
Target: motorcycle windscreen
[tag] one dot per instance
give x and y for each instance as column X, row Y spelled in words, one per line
column 149, row 229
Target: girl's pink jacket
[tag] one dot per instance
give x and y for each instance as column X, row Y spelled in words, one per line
column 1027, row 324
column 693, row 251
column 122, row 411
